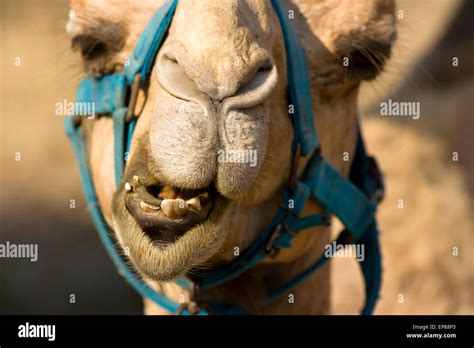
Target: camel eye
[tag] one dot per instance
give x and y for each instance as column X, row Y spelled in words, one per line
column 368, row 61
column 90, row 47
column 99, row 51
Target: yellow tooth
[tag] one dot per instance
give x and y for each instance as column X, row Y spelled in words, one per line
column 136, row 180
column 194, row 203
column 148, row 207
column 174, row 208
column 128, row 187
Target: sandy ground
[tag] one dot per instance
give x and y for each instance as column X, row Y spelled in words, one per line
column 417, row 240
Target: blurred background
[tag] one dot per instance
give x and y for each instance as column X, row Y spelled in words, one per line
column 422, row 276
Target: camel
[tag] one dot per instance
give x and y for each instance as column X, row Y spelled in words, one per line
column 227, row 56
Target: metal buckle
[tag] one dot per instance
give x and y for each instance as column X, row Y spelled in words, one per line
column 293, row 179
column 275, row 234
column 282, row 227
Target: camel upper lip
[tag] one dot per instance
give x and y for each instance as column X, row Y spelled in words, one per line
column 165, row 213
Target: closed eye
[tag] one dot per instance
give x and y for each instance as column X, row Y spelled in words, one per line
column 100, row 42
column 90, row 47
column 368, row 59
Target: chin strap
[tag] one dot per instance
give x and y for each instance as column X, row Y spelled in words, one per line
column 115, row 94
column 354, row 201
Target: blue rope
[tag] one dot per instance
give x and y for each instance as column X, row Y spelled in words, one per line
column 75, row 135
column 299, row 86
column 246, row 260
column 149, row 42
column 131, row 128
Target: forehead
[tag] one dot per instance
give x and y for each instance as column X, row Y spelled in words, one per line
column 222, row 14
column 86, row 15
column 200, row 25
column 114, row 6
column 210, row 23
column 212, row 12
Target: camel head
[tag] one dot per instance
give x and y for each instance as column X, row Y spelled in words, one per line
column 211, row 152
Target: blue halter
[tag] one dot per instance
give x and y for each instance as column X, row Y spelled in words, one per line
column 353, row 201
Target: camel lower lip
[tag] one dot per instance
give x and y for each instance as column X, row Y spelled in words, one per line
column 165, row 213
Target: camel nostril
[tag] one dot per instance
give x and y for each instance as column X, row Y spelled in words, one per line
column 173, row 79
column 256, row 91
column 266, row 65
column 200, row 80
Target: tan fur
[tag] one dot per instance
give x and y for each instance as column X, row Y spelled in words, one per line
column 207, row 38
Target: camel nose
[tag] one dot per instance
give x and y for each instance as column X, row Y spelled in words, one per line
column 239, row 85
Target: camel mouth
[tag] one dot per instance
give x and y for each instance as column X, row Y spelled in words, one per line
column 165, row 213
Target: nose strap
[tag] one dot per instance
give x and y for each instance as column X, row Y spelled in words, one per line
column 299, row 86
column 149, row 42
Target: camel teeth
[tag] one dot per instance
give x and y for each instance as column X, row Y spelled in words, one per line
column 136, row 180
column 174, row 208
column 128, row 187
column 148, row 207
column 194, row 203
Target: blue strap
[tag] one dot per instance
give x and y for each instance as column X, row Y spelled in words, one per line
column 256, row 252
column 366, row 176
column 75, row 135
column 131, row 128
column 371, row 267
column 299, row 86
column 299, row 199
column 249, row 258
column 149, row 42
column 309, row 221
column 107, row 93
column 301, row 277
column 339, row 196
column 294, row 222
column 365, row 173
column 371, row 270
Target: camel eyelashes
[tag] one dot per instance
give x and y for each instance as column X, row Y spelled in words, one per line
column 90, row 46
column 368, row 60
column 100, row 42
